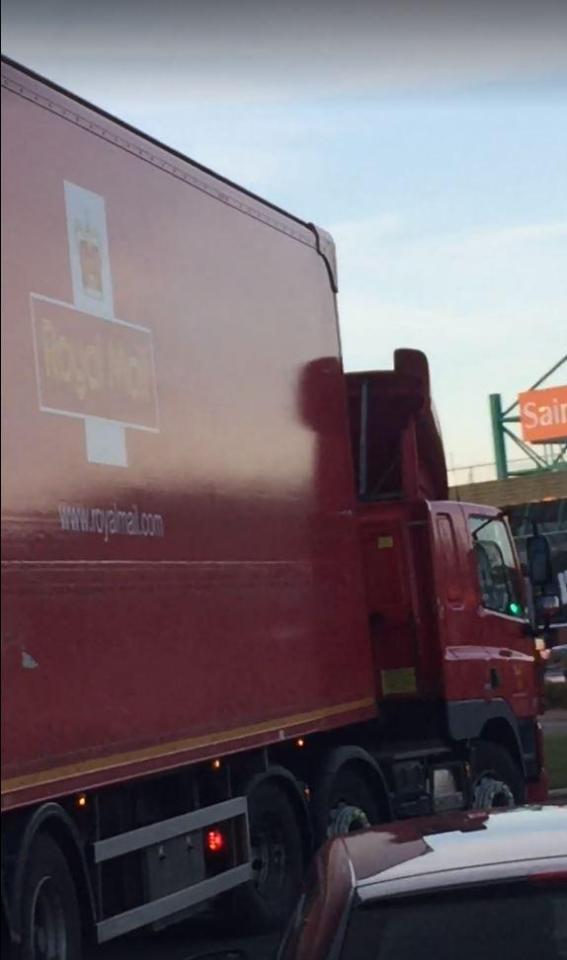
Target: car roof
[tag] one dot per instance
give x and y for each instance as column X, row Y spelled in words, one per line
column 461, row 847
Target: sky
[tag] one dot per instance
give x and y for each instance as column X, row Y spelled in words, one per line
column 429, row 138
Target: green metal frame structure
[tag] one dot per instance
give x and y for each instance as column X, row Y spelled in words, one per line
column 553, row 455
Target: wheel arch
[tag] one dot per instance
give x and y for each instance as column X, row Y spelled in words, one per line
column 286, row 781
column 470, row 720
column 498, row 730
column 53, row 819
column 8, row 932
column 339, row 758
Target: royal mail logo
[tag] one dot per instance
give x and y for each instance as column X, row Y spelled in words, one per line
column 88, row 367
column 89, row 364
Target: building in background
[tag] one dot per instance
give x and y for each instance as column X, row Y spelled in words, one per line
column 532, row 491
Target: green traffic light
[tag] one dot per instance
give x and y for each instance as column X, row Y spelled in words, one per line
column 515, row 609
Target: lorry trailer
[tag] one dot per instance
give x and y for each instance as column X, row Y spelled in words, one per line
column 240, row 613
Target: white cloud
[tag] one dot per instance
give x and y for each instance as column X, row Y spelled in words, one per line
column 352, row 235
column 487, row 267
column 470, row 357
column 488, row 307
column 375, row 229
column 228, row 51
column 524, row 233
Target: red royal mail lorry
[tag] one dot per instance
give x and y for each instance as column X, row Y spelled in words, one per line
column 239, row 612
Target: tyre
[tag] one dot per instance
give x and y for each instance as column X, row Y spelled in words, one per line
column 496, row 780
column 344, row 802
column 50, row 918
column 266, row 902
column 6, row 941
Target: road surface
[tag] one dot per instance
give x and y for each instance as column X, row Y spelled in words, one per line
column 554, row 721
column 184, row 942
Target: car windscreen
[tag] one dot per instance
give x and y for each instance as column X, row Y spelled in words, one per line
column 516, row 921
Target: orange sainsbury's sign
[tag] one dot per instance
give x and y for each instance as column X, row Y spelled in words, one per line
column 543, row 415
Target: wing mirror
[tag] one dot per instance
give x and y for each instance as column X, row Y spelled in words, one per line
column 540, row 569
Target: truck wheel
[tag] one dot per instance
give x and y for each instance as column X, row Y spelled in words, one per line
column 496, row 780
column 6, row 941
column 344, row 803
column 277, row 862
column 50, row 919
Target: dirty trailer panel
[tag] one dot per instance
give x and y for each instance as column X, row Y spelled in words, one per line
column 181, row 572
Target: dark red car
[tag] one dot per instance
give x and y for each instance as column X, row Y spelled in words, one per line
column 465, row 886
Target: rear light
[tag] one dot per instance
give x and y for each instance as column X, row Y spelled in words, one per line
column 216, row 841
column 551, row 876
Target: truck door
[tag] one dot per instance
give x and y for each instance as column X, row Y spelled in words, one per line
column 461, row 646
column 501, row 613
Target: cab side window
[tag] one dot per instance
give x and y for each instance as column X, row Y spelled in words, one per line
column 496, row 566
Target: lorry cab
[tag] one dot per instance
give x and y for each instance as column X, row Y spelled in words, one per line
column 447, row 605
column 446, row 602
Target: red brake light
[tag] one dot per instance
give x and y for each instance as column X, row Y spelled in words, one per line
column 552, row 876
column 215, row 841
